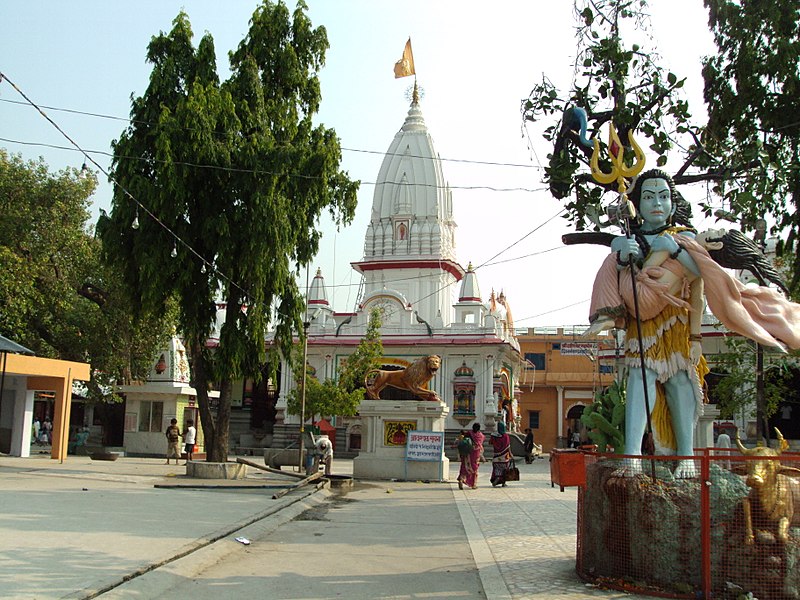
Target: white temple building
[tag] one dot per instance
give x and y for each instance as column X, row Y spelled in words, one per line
column 429, row 302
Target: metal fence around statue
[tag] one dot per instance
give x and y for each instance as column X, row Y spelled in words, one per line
column 731, row 532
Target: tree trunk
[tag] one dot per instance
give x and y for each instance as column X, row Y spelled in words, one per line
column 199, row 381
column 217, row 450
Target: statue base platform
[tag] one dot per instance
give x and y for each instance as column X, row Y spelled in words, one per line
column 384, row 427
column 644, row 536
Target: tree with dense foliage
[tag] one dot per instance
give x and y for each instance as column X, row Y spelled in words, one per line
column 58, row 298
column 752, row 91
column 367, row 355
column 228, row 180
column 618, row 80
column 341, row 396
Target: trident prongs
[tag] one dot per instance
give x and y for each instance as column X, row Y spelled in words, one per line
column 619, row 171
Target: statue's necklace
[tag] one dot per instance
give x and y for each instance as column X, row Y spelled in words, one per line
column 655, row 231
column 642, row 240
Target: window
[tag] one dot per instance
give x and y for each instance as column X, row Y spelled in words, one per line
column 533, row 419
column 536, row 359
column 151, row 414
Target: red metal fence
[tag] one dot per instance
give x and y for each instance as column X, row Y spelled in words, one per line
column 733, row 530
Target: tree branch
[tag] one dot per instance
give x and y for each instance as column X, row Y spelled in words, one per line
column 93, row 294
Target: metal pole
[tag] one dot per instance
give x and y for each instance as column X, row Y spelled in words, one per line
column 761, row 431
column 649, row 446
column 306, row 324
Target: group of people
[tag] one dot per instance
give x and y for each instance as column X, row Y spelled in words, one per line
column 470, row 453
column 174, row 435
column 42, row 432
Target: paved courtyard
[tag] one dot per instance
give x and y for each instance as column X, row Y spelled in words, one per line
column 85, row 529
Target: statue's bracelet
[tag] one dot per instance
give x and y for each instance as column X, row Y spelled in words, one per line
column 695, row 337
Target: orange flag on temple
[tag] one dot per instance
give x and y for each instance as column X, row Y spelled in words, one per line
column 405, row 66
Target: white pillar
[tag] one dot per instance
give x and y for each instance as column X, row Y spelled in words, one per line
column 22, row 420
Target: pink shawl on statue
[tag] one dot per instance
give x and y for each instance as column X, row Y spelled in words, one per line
column 759, row 313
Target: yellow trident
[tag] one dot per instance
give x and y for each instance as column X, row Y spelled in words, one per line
column 619, row 172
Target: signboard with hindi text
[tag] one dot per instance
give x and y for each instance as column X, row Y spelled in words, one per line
column 578, row 349
column 425, row 445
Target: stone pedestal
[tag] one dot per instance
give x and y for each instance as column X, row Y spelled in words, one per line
column 209, row 470
column 383, row 446
column 704, row 430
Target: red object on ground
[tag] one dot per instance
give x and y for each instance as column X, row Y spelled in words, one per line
column 567, row 468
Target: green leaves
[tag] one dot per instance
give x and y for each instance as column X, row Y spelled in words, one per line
column 616, row 81
column 343, row 396
column 751, row 89
column 605, row 419
column 58, row 297
column 238, row 172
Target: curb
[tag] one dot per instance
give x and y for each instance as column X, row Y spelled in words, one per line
column 204, row 551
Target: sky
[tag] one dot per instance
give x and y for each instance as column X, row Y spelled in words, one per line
column 475, row 62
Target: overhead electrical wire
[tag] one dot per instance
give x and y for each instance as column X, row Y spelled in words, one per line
column 86, row 154
column 263, row 172
column 122, row 188
column 359, row 150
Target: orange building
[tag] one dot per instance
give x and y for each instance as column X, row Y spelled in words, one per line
column 561, row 372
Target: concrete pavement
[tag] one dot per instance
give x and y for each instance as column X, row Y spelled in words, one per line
column 87, row 529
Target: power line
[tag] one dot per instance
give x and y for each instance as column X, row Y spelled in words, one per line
column 122, row 188
column 205, row 262
column 263, row 172
column 531, row 232
column 554, row 310
column 359, row 150
column 169, row 230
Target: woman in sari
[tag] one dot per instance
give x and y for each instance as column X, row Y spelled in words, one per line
column 502, row 455
column 464, row 446
column 471, row 476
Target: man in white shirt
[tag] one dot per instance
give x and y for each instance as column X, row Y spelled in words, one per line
column 324, row 450
column 189, row 437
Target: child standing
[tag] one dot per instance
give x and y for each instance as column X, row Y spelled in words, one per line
column 173, row 441
column 189, row 437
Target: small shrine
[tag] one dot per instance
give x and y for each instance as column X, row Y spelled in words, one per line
column 165, row 395
column 464, row 384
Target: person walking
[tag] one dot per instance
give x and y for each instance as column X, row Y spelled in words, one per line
column 189, row 437
column 528, row 445
column 464, row 446
column 173, row 434
column 471, row 477
column 502, row 458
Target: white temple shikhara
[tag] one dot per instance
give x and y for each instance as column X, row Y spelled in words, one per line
column 411, row 274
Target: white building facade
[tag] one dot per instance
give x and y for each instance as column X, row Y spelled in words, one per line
column 430, row 304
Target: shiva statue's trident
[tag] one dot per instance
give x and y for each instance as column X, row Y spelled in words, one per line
column 619, row 171
column 625, row 211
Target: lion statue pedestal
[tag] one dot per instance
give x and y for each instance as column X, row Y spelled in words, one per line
column 384, row 427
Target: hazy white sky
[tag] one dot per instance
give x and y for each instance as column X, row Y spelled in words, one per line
column 475, row 61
